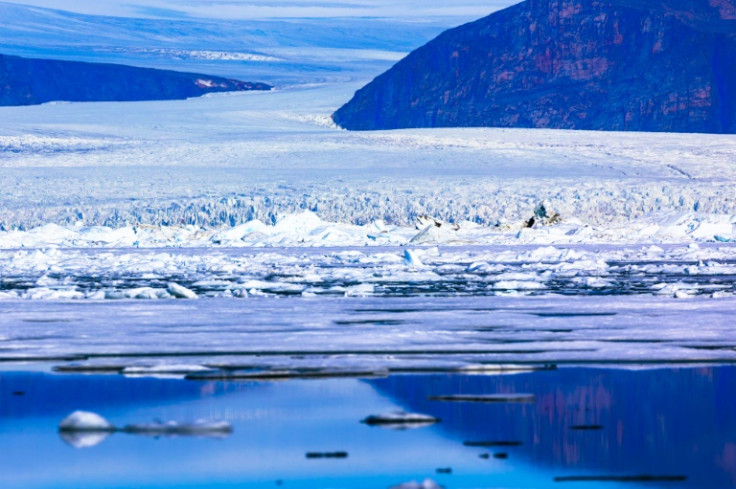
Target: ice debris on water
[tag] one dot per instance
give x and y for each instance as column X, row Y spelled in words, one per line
column 143, row 275
column 83, row 429
column 173, row 428
column 489, row 398
column 426, row 484
column 400, row 419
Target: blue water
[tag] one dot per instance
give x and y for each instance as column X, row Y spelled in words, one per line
column 663, row 422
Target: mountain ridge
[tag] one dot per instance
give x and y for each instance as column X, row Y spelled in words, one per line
column 32, row 81
column 566, row 64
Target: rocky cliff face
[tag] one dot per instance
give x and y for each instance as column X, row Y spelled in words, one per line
column 26, row 81
column 639, row 65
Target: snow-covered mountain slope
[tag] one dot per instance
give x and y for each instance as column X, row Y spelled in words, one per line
column 416, row 10
column 275, row 49
column 32, row 81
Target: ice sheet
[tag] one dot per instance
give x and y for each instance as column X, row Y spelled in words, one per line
column 365, row 334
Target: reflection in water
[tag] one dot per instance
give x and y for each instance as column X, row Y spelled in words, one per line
column 663, row 423
column 84, row 439
column 585, row 428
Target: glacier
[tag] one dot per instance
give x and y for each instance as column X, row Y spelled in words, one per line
column 230, row 159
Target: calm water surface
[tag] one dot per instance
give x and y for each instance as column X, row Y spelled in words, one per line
column 587, row 427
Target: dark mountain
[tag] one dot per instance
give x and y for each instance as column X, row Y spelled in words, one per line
column 25, row 81
column 635, row 65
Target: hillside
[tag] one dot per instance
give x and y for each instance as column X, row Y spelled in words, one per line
column 568, row 64
column 26, row 81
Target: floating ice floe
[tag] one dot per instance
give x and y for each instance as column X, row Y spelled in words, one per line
column 164, row 370
column 204, row 428
column 83, row 429
column 400, row 420
column 426, row 484
column 85, row 421
column 489, row 398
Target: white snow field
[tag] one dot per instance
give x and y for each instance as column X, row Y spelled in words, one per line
column 308, row 246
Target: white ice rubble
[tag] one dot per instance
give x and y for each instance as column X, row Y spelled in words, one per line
column 306, row 229
column 59, row 273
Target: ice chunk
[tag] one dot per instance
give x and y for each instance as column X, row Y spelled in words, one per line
column 305, row 222
column 400, row 419
column 426, row 484
column 517, row 285
column 84, row 429
column 172, row 428
column 164, row 369
column 85, row 421
column 362, row 290
column 411, row 258
column 45, row 293
column 491, row 398
column 147, row 293
column 180, row 292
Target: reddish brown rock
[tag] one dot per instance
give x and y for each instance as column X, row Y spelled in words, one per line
column 638, row 65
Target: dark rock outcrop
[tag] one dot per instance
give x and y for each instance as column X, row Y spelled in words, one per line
column 638, row 65
column 25, row 81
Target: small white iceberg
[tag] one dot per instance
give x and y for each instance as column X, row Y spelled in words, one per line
column 85, row 421
column 83, row 429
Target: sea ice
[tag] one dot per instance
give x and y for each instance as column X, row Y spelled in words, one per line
column 180, row 292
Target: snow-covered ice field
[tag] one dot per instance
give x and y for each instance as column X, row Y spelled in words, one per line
column 363, row 336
